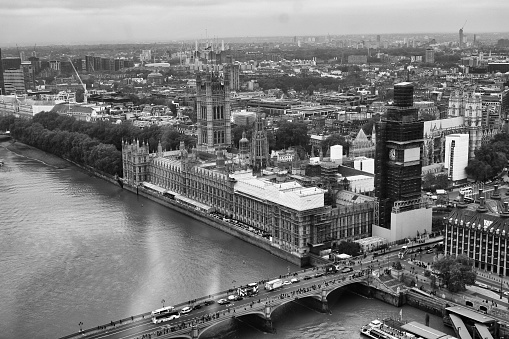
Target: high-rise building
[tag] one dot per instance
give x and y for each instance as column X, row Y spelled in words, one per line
column 430, row 56
column 398, row 169
column 456, row 156
column 461, row 37
column 13, row 77
column 213, row 112
column 2, row 87
column 234, row 70
column 259, row 145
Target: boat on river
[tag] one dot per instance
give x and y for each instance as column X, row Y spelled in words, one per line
column 378, row 330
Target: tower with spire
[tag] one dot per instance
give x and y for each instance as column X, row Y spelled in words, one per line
column 213, row 112
column 259, row 145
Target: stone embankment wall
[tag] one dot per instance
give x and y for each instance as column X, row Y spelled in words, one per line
column 221, row 225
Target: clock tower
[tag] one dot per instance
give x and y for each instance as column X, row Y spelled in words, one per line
column 399, row 140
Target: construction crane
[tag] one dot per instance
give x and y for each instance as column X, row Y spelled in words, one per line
column 85, row 92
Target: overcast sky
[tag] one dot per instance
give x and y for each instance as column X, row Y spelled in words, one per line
column 87, row 21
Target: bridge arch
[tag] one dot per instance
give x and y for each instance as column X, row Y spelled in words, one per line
column 254, row 312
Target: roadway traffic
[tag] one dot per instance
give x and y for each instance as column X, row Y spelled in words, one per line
column 303, row 284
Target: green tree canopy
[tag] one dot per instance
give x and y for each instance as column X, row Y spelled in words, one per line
column 349, row 247
column 292, row 134
column 456, row 272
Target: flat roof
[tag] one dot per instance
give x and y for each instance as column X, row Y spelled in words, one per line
column 423, row 330
column 475, row 316
column 483, row 331
column 460, row 326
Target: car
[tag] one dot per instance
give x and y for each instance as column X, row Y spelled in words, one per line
column 307, row 277
column 197, row 306
column 294, row 280
column 318, row 274
column 286, row 282
column 186, row 310
column 346, row 270
column 430, row 250
column 223, row 302
column 478, row 284
column 208, row 302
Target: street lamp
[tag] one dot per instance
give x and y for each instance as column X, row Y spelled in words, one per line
column 501, row 286
column 80, row 325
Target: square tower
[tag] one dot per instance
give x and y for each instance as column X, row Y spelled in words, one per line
column 213, row 112
column 399, row 139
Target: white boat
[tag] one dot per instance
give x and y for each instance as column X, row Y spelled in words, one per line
column 378, row 330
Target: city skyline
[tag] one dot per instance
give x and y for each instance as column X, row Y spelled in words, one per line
column 72, row 22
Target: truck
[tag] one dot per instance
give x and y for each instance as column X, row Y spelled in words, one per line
column 330, row 269
column 273, row 284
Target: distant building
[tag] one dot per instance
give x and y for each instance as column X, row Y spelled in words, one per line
column 259, row 146
column 461, row 38
column 357, row 59
column 430, row 56
column 2, row 87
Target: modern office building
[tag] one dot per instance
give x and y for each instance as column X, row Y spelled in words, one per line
column 456, row 156
column 461, row 38
column 213, row 112
column 402, row 212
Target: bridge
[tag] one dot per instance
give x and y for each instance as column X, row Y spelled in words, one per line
column 312, row 290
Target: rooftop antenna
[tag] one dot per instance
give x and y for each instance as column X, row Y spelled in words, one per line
column 464, row 24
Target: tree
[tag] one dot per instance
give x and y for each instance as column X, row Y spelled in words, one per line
column 478, row 170
column 292, row 134
column 334, row 139
column 349, row 247
column 456, row 272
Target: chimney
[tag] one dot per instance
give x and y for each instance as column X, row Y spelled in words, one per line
column 496, row 193
column 482, row 204
column 505, row 211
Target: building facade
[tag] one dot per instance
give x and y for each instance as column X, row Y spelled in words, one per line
column 295, row 217
column 481, row 127
column 213, row 112
column 482, row 233
column 398, row 158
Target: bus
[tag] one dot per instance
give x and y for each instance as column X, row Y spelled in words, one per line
column 165, row 314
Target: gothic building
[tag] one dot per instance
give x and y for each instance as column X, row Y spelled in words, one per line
column 481, row 126
column 213, row 112
column 259, row 145
column 295, row 217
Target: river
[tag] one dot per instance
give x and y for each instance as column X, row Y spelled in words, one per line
column 77, row 249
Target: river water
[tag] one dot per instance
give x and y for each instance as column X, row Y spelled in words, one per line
column 74, row 248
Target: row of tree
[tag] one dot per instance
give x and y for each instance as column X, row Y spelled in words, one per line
column 75, row 146
column 108, row 133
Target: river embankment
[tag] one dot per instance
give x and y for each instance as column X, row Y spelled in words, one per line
column 35, row 154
